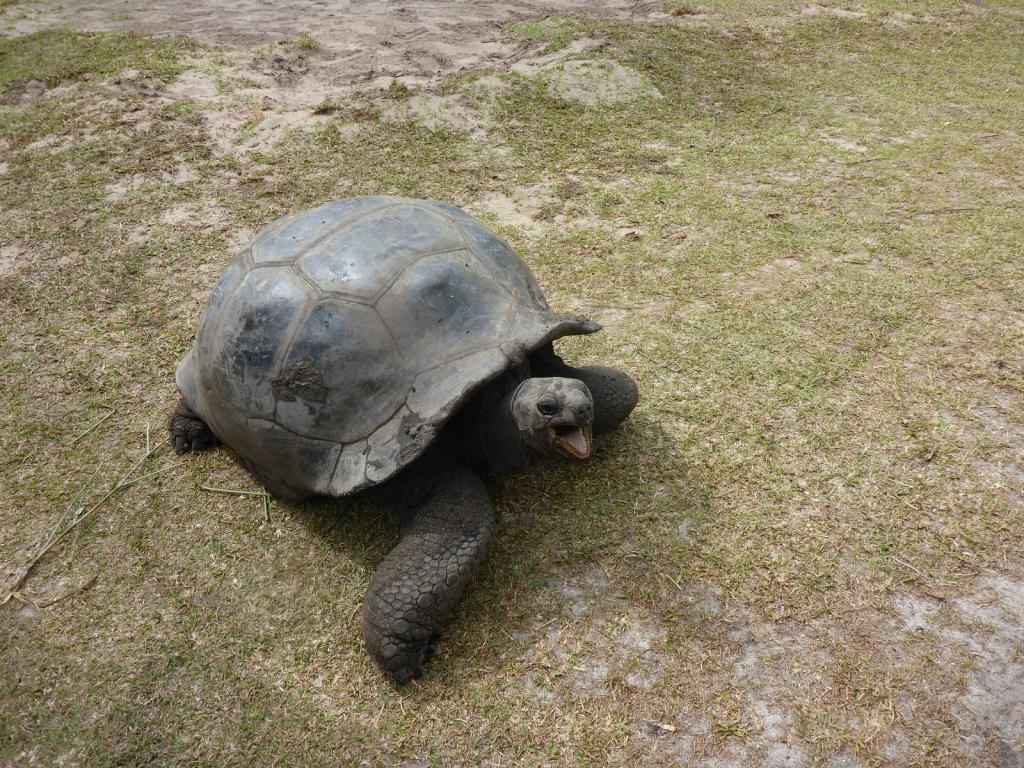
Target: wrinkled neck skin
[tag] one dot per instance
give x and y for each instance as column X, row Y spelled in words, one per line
column 490, row 442
column 483, row 437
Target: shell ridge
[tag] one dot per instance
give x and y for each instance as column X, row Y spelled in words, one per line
column 298, row 323
column 408, row 266
column 290, row 431
column 347, row 223
column 246, row 257
column 200, row 391
column 391, row 333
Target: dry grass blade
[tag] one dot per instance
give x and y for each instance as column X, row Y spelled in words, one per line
column 140, row 478
column 232, row 491
column 92, row 429
column 65, row 526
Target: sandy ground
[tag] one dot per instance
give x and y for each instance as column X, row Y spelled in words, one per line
column 361, row 43
column 354, row 52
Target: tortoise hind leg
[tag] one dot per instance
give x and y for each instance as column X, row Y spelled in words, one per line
column 188, row 431
column 442, row 540
column 191, row 433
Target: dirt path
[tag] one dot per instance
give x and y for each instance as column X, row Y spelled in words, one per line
column 367, row 42
column 285, row 60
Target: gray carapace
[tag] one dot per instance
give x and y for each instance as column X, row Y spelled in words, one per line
column 396, row 346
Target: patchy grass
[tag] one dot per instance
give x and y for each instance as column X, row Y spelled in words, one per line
column 53, row 56
column 808, row 252
column 304, row 42
column 554, row 33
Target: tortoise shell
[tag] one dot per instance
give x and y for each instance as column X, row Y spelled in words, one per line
column 341, row 339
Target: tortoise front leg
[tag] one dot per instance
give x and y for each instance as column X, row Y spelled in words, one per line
column 615, row 393
column 442, row 541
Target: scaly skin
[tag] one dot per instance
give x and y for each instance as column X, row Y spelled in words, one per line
column 188, row 431
column 443, row 538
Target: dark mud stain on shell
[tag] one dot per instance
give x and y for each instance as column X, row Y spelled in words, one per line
column 301, row 381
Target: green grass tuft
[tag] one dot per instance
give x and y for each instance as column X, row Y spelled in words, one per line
column 53, row 56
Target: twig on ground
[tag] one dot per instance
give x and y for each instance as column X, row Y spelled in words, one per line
column 65, row 526
column 906, row 565
column 238, row 492
column 675, row 582
column 547, row 623
column 765, row 115
column 91, row 429
column 148, row 475
column 937, row 211
column 71, row 592
column 232, row 491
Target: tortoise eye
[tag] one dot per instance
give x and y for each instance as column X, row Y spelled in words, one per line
column 547, row 407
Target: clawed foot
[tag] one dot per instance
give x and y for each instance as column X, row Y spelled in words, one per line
column 403, row 658
column 188, row 431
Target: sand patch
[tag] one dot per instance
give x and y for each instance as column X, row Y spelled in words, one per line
column 846, row 144
column 520, row 208
column 124, row 188
column 263, row 84
column 770, row 277
column 597, row 82
column 184, row 174
column 193, row 84
column 10, row 259
column 782, row 675
column 207, row 214
column 51, row 141
column 532, row 64
column 985, row 628
column 438, row 112
column 358, row 46
column 842, row 13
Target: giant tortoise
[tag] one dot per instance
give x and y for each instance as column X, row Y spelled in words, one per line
column 400, row 348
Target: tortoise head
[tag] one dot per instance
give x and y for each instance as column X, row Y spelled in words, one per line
column 554, row 417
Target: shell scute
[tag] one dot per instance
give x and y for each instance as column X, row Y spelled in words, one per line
column 247, row 345
column 342, row 377
column 362, row 259
column 288, row 237
column 442, row 307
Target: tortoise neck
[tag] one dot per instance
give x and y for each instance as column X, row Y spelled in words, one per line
column 487, row 434
column 500, row 441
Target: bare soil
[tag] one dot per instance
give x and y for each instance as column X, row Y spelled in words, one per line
column 360, row 43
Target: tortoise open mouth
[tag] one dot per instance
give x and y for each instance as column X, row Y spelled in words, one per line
column 573, row 441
